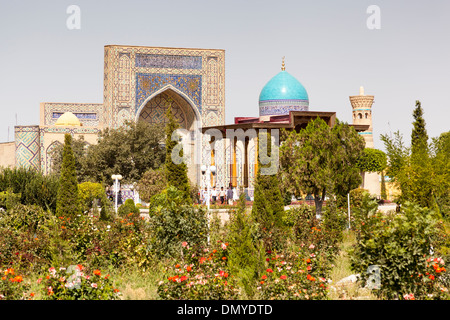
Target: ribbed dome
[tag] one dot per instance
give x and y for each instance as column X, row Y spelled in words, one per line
column 283, row 93
column 68, row 119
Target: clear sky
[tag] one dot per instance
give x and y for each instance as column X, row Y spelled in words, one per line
column 327, row 45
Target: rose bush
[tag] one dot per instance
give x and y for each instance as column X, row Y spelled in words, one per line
column 203, row 275
column 74, row 283
column 13, row 287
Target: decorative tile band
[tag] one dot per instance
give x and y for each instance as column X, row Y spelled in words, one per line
column 279, row 108
column 168, row 61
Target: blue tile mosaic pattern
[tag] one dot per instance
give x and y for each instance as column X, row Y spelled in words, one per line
column 147, row 84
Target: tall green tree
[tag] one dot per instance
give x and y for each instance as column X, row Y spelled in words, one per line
column 416, row 170
column 268, row 203
column 419, row 136
column 67, row 202
column 320, row 160
column 246, row 259
column 176, row 173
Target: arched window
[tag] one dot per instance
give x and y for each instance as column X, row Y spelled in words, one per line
column 359, row 115
column 367, row 115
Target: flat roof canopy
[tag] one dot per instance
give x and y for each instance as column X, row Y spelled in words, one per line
column 294, row 120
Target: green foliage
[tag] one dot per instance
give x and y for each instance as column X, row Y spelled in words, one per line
column 372, row 160
column 75, row 284
column 419, row 136
column 172, row 222
column 383, row 187
column 67, row 202
column 400, row 245
column 204, row 277
column 294, row 277
column 13, row 286
column 34, row 187
column 129, row 150
column 246, row 254
column 420, row 171
column 79, row 148
column 152, row 182
column 9, row 199
column 319, row 160
column 128, row 208
column 176, row 173
column 91, row 195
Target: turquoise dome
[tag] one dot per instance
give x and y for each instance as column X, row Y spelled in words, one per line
column 282, row 94
column 283, row 87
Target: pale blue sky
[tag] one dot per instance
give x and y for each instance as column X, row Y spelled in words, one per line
column 327, row 45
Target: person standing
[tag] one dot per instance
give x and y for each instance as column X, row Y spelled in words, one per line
column 205, row 195
column 230, row 195
column 222, row 195
column 214, row 195
column 119, row 198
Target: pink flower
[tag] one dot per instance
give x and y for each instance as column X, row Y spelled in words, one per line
column 224, row 246
column 94, row 285
column 311, row 246
column 409, row 296
column 184, row 244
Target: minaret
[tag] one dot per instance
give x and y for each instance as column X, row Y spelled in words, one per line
column 362, row 114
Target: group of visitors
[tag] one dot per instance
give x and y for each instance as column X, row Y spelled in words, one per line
column 216, row 195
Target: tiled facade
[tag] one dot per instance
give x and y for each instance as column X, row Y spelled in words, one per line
column 138, row 84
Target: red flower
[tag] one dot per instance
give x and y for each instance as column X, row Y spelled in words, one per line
column 264, row 277
column 183, row 278
column 283, row 277
column 188, row 268
column 269, row 270
column 431, row 277
column 97, row 272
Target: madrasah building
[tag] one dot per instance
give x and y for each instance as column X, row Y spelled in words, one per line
column 139, row 85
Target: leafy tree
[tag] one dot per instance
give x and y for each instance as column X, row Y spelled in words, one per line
column 417, row 170
column 34, row 187
column 372, row 160
column 129, row 150
column 67, row 202
column 176, row 173
column 319, row 160
column 152, row 182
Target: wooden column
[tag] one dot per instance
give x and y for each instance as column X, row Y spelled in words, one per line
column 233, row 165
column 246, row 141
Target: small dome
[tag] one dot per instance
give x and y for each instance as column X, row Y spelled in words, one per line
column 283, row 93
column 68, row 119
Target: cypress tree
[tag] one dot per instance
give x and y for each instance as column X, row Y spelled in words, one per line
column 419, row 136
column 176, row 174
column 246, row 259
column 268, row 204
column 67, row 202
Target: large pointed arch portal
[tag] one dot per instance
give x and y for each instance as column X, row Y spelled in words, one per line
column 154, row 109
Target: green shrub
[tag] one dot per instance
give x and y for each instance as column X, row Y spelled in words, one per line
column 127, row 208
column 203, row 275
column 400, row 245
column 75, row 284
column 172, row 222
column 13, row 287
